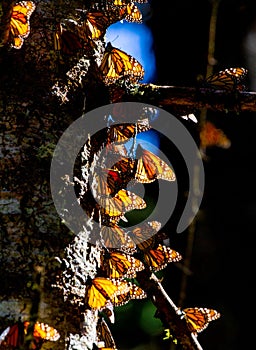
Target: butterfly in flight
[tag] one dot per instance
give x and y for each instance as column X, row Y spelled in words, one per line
column 198, row 318
column 150, row 167
column 229, row 79
column 13, row 336
column 117, row 264
column 19, row 24
column 211, row 136
column 117, row 64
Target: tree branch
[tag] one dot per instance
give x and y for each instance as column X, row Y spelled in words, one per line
column 197, row 98
column 167, row 311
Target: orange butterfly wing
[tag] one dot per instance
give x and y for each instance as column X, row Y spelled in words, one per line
column 99, row 292
column 117, row 64
column 13, row 336
column 144, row 234
column 46, row 332
column 67, row 41
column 199, row 318
column 105, row 338
column 19, row 24
column 131, row 13
column 150, row 167
column 119, row 265
column 211, row 136
column 134, row 292
column 114, row 237
column 228, row 79
column 123, row 132
column 157, row 258
column 121, row 203
column 108, row 182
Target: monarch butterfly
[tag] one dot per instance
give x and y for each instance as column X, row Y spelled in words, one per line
column 121, row 203
column 114, row 237
column 93, row 24
column 13, row 336
column 157, row 258
column 125, row 2
column 126, row 165
column 117, row 64
column 84, row 29
column 131, row 13
column 99, row 291
column 150, row 167
column 134, row 292
column 19, row 24
column 119, row 265
column 105, row 338
column 212, row 136
column 66, row 41
column 125, row 131
column 72, row 39
column 116, row 149
column 198, row 318
column 107, row 182
column 144, row 232
column 229, row 79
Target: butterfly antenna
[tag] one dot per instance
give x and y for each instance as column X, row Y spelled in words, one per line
column 115, row 38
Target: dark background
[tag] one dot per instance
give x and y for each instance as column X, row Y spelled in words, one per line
column 222, row 264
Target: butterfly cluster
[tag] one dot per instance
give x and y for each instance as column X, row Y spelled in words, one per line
column 124, row 251
column 82, row 31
